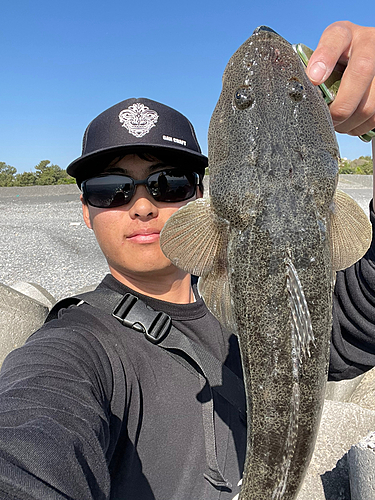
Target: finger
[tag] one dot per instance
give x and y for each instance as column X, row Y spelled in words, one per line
column 355, row 92
column 333, row 46
column 363, row 129
column 364, row 118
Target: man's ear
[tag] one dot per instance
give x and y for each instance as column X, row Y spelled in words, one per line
column 85, row 212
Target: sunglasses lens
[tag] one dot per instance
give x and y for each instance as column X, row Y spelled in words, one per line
column 172, row 185
column 108, row 191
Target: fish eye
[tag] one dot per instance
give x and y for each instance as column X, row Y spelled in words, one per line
column 296, row 90
column 243, row 97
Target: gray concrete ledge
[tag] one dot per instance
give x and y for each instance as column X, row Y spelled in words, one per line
column 20, row 316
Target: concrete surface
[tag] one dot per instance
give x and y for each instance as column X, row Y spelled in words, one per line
column 343, row 390
column 361, row 464
column 35, row 292
column 342, row 425
column 45, row 241
column 358, row 187
column 364, row 393
column 19, row 317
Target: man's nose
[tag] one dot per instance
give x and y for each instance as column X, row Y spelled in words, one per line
column 143, row 205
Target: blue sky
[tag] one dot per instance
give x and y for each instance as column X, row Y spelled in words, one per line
column 65, row 62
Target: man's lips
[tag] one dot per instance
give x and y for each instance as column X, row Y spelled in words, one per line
column 147, row 236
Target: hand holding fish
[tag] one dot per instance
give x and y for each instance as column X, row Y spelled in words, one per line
column 352, row 47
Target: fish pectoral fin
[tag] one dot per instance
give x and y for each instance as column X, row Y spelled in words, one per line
column 350, row 231
column 194, row 237
column 302, row 332
column 214, row 288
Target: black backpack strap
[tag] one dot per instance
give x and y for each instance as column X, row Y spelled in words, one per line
column 61, row 304
column 157, row 327
column 103, row 299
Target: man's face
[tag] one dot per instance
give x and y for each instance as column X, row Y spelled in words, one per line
column 129, row 235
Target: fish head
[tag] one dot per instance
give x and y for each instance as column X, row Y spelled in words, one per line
column 271, row 130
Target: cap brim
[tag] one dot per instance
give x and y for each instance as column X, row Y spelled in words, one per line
column 91, row 164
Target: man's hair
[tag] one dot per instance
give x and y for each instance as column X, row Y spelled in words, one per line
column 172, row 159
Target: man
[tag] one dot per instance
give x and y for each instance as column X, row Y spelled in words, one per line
column 93, row 409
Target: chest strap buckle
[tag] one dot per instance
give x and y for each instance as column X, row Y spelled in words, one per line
column 135, row 314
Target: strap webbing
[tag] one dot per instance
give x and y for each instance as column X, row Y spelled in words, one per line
column 158, row 329
column 141, row 317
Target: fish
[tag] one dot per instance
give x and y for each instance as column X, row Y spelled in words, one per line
column 266, row 244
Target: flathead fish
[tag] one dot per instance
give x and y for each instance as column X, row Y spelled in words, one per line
column 266, row 244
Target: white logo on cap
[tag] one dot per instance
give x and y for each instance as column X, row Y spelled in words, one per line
column 138, row 119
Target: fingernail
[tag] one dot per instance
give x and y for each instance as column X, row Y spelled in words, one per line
column 317, row 71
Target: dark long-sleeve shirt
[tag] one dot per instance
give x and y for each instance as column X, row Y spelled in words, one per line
column 90, row 409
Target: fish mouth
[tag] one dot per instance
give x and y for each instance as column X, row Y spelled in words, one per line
column 265, row 32
column 264, row 28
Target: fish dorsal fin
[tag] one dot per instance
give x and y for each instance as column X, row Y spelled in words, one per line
column 302, row 332
column 194, row 237
column 214, row 288
column 350, row 232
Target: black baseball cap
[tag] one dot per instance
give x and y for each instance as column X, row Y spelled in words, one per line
column 137, row 125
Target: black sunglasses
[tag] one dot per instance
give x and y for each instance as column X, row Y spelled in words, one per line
column 114, row 190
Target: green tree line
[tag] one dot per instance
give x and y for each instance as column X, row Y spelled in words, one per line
column 361, row 166
column 45, row 173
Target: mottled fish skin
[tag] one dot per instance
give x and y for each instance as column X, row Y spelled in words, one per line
column 273, row 173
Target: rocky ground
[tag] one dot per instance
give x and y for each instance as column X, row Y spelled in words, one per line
column 45, row 241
